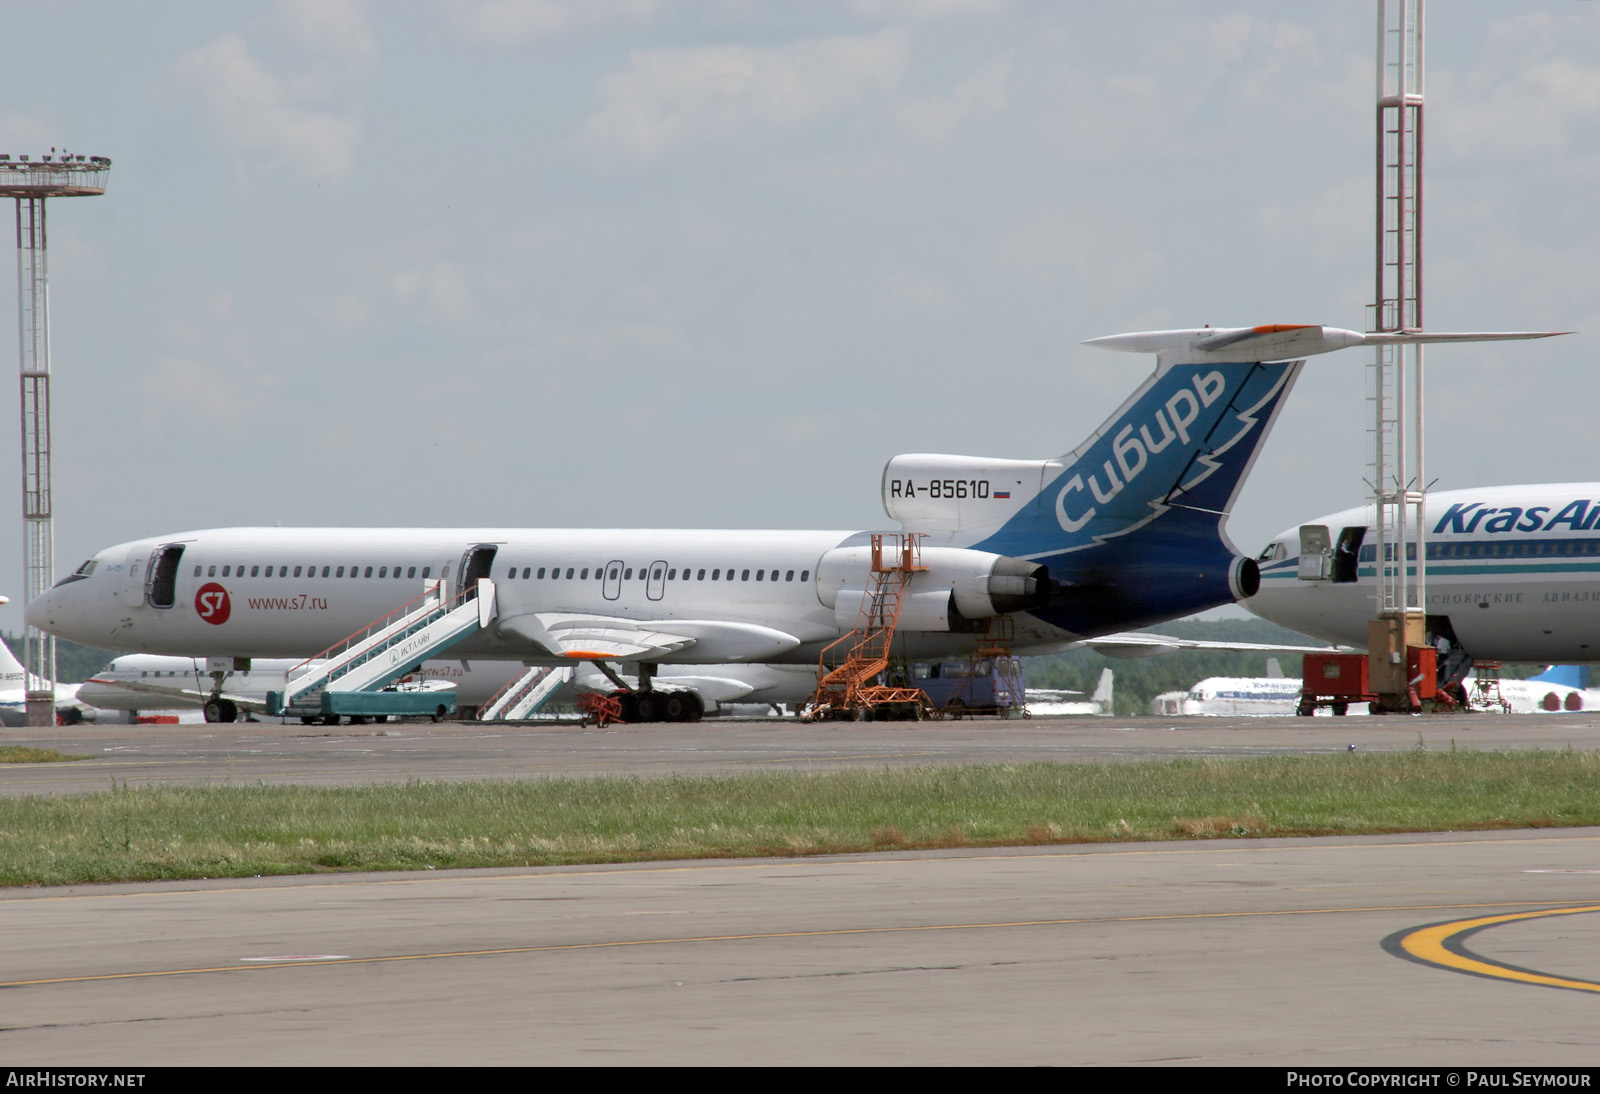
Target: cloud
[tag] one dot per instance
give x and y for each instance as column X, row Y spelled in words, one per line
column 667, row 98
column 1538, row 108
column 511, row 21
column 26, row 133
column 913, row 292
column 987, row 92
column 903, row 11
column 210, row 380
column 345, row 311
column 441, row 289
column 255, row 111
column 1535, row 90
column 337, row 27
column 1211, row 86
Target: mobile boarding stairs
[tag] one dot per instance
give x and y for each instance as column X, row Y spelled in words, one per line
column 353, row 677
column 526, row 693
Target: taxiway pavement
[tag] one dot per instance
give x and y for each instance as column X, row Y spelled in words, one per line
column 1225, row 952
column 1222, row 952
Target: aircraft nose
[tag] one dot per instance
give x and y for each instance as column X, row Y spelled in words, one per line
column 46, row 612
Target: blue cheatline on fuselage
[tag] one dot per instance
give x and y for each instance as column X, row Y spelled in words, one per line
column 1150, row 489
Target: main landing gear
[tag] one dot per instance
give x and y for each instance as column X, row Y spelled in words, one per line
column 644, row 703
column 659, row 706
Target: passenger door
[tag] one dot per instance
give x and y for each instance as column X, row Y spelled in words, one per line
column 1314, row 548
column 161, row 579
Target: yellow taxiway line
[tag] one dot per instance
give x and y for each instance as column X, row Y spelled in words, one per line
column 1442, row 945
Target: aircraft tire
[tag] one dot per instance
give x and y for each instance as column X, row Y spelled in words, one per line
column 648, row 708
column 630, row 706
column 675, row 708
column 221, row 710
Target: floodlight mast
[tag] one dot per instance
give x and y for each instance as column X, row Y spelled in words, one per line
column 1395, row 376
column 57, row 175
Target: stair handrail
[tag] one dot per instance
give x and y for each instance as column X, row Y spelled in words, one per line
column 372, row 635
column 487, row 711
column 558, row 676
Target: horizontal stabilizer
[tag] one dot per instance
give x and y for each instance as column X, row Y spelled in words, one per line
column 1280, row 341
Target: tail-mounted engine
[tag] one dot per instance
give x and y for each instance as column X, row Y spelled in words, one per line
column 957, row 591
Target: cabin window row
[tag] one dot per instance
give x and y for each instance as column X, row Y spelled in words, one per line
column 231, row 570
column 625, row 573
column 1528, row 548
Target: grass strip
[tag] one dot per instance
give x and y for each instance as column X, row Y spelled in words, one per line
column 21, row 754
column 241, row 831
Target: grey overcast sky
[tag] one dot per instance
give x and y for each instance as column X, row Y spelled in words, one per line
column 645, row 263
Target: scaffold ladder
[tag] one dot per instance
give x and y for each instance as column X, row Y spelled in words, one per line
column 847, row 669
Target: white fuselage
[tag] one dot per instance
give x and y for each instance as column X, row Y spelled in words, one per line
column 1514, row 572
column 1235, row 697
column 327, row 583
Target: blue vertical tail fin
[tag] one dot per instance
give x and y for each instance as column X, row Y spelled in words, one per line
column 1130, row 523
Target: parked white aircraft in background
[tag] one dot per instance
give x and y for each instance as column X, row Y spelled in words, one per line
column 145, row 682
column 1560, row 689
column 1231, row 697
column 1058, row 702
column 1513, row 573
column 1124, row 531
column 70, row 706
column 1556, row 690
column 142, row 682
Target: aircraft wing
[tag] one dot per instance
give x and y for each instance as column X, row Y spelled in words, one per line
column 188, row 697
column 1131, row 644
column 714, row 689
column 585, row 637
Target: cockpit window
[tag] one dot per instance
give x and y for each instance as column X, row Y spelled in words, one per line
column 79, row 574
column 1273, row 552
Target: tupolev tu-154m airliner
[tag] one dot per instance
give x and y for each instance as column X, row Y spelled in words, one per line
column 1122, row 532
